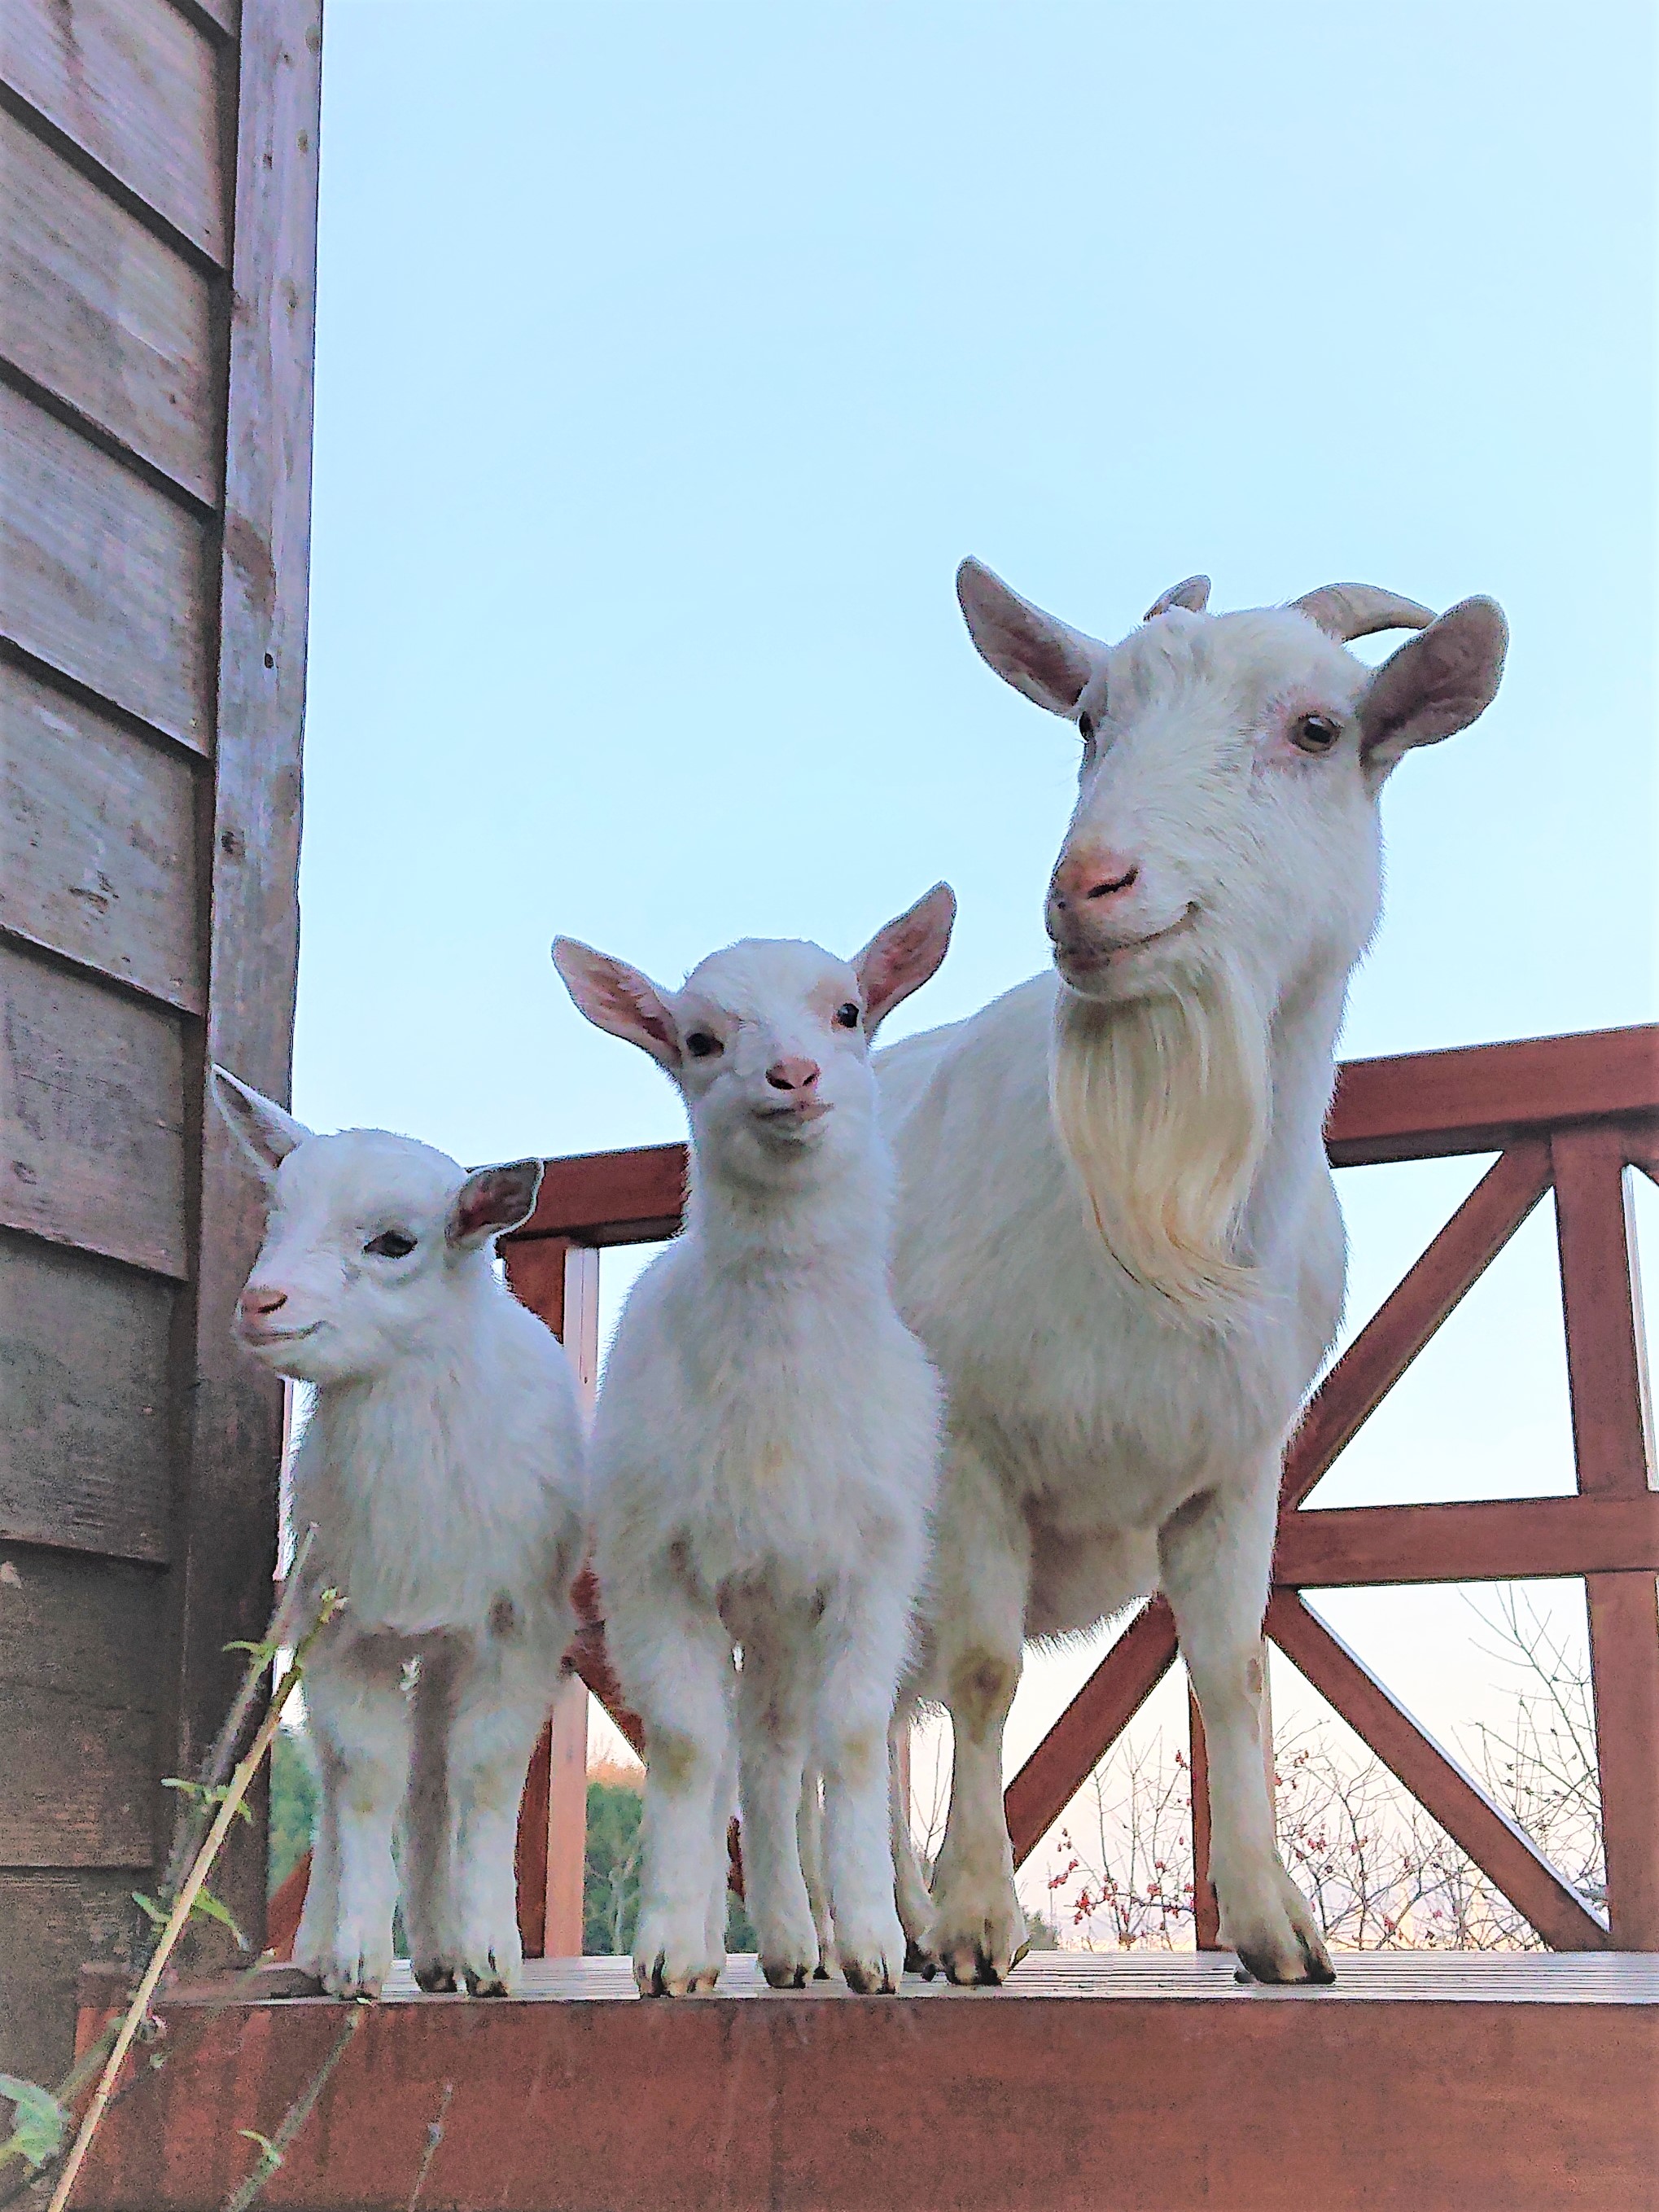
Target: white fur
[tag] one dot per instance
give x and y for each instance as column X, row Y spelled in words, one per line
column 765, row 1457
column 442, row 1466
column 1118, row 1235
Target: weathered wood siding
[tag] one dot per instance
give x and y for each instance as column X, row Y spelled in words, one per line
column 158, row 165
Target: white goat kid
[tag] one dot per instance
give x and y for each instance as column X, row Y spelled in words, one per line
column 442, row 1466
column 1118, row 1235
column 765, row 1453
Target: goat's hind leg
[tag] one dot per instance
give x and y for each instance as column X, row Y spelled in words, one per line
column 855, row 1718
column 809, row 1835
column 915, row 1910
column 501, row 1697
column 774, row 1701
column 429, row 1830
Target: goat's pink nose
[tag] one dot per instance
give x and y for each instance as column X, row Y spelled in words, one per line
column 258, row 1299
column 793, row 1073
column 1092, row 873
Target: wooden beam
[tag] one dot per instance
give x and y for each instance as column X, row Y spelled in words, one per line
column 1498, row 1539
column 1414, row 1106
column 1413, row 1311
column 1141, row 2083
column 1421, row 1105
column 631, row 1197
column 1089, row 1727
column 1501, row 1849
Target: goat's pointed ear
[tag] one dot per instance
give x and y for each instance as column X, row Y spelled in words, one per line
column 617, row 998
column 1046, row 660
column 491, row 1202
column 260, row 1126
column 1436, row 685
column 900, row 958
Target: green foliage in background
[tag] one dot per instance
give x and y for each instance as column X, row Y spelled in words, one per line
column 611, row 1876
column 292, row 1805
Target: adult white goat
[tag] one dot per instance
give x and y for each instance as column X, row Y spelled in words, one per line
column 765, row 1452
column 442, row 1466
column 1118, row 1234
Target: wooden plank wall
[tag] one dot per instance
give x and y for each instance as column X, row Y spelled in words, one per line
column 158, row 168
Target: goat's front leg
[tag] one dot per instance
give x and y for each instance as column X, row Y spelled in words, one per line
column 359, row 1723
column 674, row 1655
column 775, row 1695
column 502, row 1691
column 855, row 1714
column 981, row 1582
column 1216, row 1555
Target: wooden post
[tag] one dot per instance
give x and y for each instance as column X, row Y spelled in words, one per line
column 1611, row 1429
column 559, row 1280
column 567, row 1821
column 1206, row 1920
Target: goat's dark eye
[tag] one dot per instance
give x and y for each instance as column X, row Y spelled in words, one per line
column 1085, row 725
column 848, row 1015
column 701, row 1046
column 1314, row 734
column 391, row 1245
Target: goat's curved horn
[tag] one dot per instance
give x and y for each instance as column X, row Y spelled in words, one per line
column 1350, row 610
column 1193, row 593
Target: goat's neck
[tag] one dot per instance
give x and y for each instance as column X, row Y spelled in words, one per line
column 425, row 1392
column 1302, row 1067
column 840, row 1219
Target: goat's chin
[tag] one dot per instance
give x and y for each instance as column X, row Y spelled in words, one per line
column 1171, row 961
column 1161, row 1097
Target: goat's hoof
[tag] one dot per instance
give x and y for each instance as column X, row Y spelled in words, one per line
column 1274, row 1935
column 436, row 1977
column 490, row 1981
column 1261, row 1965
column 870, row 1977
column 978, row 1961
column 978, row 1931
column 657, row 1978
column 351, row 1979
column 788, row 1973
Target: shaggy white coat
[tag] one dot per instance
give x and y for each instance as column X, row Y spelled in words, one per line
column 1118, row 1235
column 765, row 1457
column 442, row 1465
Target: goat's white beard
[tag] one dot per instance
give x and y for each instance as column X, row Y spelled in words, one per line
column 1163, row 1106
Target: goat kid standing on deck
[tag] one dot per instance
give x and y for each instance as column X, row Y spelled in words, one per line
column 442, row 1466
column 764, row 1455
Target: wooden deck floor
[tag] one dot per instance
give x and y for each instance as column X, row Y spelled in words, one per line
column 1090, row 2084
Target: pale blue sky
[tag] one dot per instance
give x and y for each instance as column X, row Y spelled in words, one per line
column 671, row 357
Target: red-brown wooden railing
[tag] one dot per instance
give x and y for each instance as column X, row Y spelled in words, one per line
column 1573, row 1113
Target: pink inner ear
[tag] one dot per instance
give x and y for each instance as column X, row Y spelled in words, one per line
column 489, row 1203
column 654, row 1026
